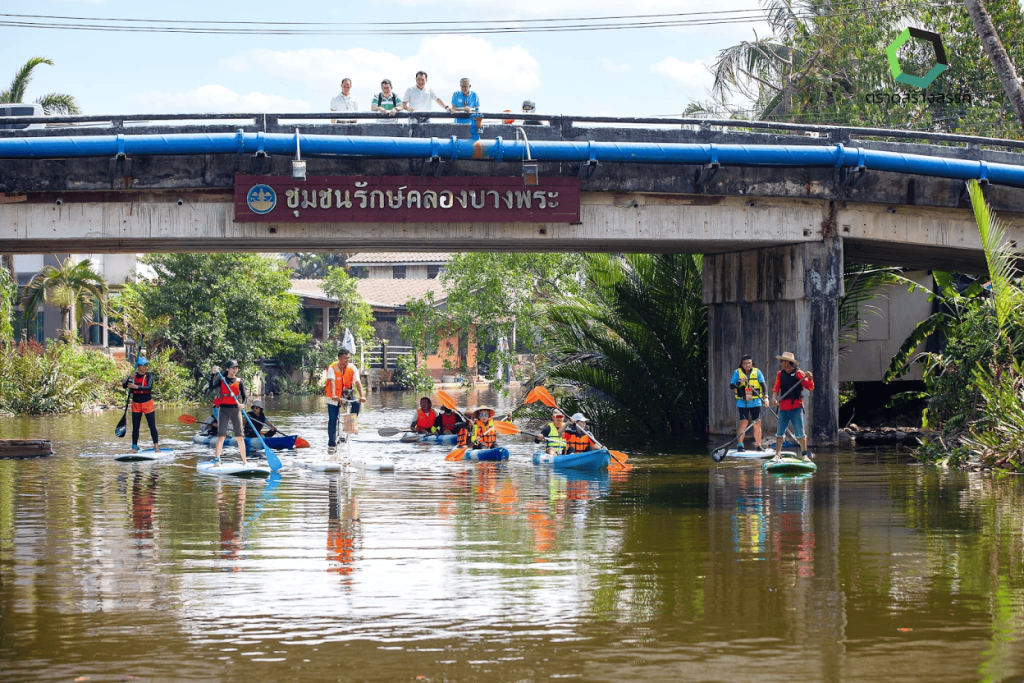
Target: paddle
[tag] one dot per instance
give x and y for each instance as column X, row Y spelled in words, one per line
column 539, row 393
column 299, row 441
column 122, row 427
column 718, row 455
column 272, row 459
column 498, row 426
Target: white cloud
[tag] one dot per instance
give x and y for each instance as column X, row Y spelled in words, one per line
column 615, row 67
column 499, row 74
column 215, row 99
column 690, row 75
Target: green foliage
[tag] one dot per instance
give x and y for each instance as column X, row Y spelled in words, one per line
column 493, row 297
column 822, row 59
column 632, row 347
column 172, row 383
column 221, row 306
column 72, row 287
column 61, row 378
column 861, row 284
column 409, row 376
column 353, row 313
column 8, row 298
column 53, row 103
column 315, row 266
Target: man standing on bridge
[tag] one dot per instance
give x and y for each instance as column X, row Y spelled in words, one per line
column 790, row 384
column 344, row 101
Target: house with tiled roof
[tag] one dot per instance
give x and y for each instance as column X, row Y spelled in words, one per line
column 394, row 265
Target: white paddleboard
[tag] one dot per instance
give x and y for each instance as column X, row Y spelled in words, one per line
column 232, row 469
column 320, row 465
column 750, row 453
column 373, row 464
column 146, row 455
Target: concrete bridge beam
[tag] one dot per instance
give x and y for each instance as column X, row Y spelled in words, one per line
column 763, row 302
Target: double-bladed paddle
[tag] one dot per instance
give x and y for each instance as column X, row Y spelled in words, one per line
column 539, row 393
column 499, row 426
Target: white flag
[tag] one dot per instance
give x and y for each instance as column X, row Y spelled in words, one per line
column 348, row 342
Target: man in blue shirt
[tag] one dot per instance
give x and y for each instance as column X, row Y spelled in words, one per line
column 749, row 389
column 465, row 100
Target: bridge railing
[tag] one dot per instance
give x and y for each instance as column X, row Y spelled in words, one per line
column 278, row 122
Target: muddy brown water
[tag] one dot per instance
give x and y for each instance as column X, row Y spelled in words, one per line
column 873, row 568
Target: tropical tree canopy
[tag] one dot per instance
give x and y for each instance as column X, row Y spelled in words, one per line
column 354, row 314
column 632, row 348
column 73, row 287
column 824, row 61
column 221, row 306
column 53, row 103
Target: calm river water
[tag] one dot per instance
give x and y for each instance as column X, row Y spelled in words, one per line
column 683, row 570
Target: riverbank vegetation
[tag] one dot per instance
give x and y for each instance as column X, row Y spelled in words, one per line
column 976, row 381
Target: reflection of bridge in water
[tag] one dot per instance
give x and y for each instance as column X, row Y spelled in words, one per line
column 776, row 212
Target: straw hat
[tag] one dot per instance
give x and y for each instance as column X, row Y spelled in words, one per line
column 484, row 407
column 786, row 355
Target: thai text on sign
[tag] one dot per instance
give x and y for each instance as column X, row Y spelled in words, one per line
column 401, row 199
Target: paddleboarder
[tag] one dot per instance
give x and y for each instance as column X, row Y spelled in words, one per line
column 791, row 408
column 229, row 396
column 748, row 387
column 141, row 386
column 342, row 382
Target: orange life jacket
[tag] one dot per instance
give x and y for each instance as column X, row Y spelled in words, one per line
column 425, row 420
column 342, row 381
column 227, row 394
column 463, row 439
column 576, row 443
column 483, row 433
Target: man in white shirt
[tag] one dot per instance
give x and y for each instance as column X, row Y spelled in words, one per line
column 422, row 98
column 344, row 101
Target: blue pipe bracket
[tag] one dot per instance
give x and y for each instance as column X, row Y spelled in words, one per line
column 835, row 156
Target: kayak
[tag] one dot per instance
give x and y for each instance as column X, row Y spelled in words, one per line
column 588, row 460
column 276, row 442
column 486, row 454
column 145, row 455
column 789, row 464
column 232, row 469
column 442, row 439
column 751, row 454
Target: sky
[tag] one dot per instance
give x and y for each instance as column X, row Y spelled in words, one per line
column 637, row 72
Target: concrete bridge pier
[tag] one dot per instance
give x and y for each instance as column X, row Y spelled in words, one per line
column 762, row 302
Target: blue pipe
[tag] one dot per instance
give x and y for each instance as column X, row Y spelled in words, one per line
column 836, row 156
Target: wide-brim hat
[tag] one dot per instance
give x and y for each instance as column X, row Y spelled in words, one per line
column 480, row 408
column 786, row 355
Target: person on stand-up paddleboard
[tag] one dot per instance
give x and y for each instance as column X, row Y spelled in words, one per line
column 576, row 438
column 259, row 419
column 552, row 432
column 229, row 396
column 748, row 387
column 426, row 420
column 791, row 408
column 483, row 435
column 141, row 386
column 342, row 383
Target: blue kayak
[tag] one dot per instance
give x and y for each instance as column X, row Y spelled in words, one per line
column 587, row 460
column 486, row 454
column 276, row 442
column 443, row 439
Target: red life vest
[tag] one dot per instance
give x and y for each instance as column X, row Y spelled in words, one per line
column 227, row 395
column 448, row 421
column 425, row 420
column 144, row 392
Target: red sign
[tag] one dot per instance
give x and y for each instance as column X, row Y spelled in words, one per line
column 405, row 199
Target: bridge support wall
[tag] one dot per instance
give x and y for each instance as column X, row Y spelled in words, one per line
column 762, row 302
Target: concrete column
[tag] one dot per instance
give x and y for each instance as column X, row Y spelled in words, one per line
column 326, row 313
column 106, row 332
column 763, row 302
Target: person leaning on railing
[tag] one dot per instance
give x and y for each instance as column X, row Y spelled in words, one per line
column 344, row 101
column 464, row 99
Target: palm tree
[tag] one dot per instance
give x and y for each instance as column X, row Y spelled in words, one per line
column 73, row 288
column 53, row 103
column 633, row 348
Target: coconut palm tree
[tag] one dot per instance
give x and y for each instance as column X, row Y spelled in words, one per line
column 53, row 103
column 73, row 288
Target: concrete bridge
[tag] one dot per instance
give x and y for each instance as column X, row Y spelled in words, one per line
column 776, row 208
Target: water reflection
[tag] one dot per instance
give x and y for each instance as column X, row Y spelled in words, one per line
column 679, row 570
